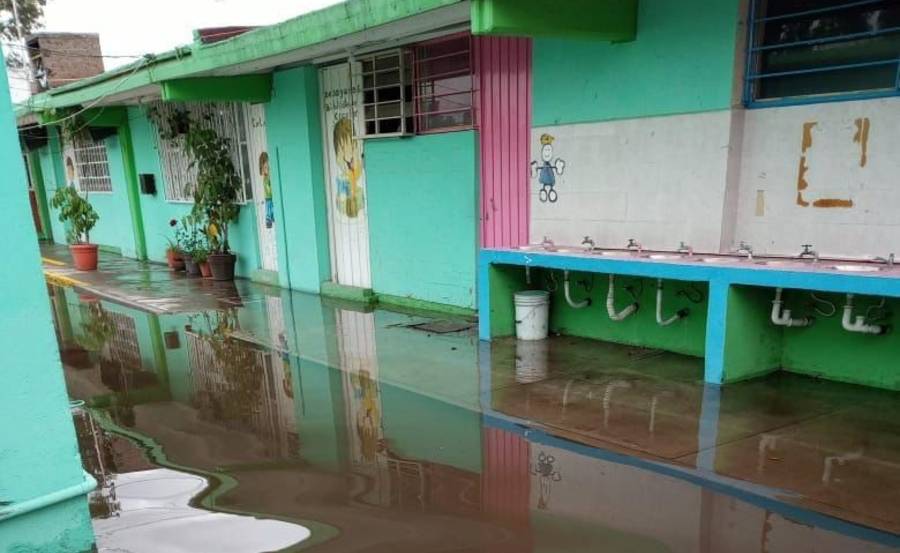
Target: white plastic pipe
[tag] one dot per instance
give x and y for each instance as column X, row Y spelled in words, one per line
column 573, row 304
column 682, row 313
column 782, row 317
column 859, row 324
column 611, row 304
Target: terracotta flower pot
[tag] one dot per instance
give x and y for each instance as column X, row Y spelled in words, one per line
column 84, row 256
column 205, row 271
column 175, row 260
column 222, row 265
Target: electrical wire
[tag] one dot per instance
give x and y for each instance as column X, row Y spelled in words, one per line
column 819, row 300
column 64, row 53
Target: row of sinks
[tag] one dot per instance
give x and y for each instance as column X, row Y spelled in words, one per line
column 715, row 259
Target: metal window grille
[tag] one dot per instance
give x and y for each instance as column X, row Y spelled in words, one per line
column 387, row 95
column 443, row 84
column 229, row 120
column 804, row 51
column 91, row 164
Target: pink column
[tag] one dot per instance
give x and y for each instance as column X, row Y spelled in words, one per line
column 503, row 70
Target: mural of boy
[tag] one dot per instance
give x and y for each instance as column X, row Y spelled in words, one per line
column 350, row 196
column 264, row 172
column 70, row 171
column 547, row 170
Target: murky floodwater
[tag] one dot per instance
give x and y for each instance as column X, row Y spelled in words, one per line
column 284, row 422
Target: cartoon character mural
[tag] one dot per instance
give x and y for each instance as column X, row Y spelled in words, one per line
column 547, row 170
column 350, row 197
column 546, row 472
column 265, row 173
column 70, row 172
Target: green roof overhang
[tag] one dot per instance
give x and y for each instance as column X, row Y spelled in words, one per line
column 606, row 20
column 255, row 89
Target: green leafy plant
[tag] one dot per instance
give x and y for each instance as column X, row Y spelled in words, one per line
column 97, row 327
column 77, row 211
column 218, row 184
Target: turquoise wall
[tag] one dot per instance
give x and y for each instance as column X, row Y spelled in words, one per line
column 157, row 211
column 114, row 227
column 423, row 216
column 682, row 61
column 294, row 133
column 38, row 451
column 49, row 157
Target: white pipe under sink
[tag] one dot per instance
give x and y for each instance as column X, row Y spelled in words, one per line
column 611, row 303
column 782, row 317
column 573, row 304
column 859, row 324
column 680, row 314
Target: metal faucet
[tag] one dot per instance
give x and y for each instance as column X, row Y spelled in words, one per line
column 684, row 248
column 889, row 260
column 588, row 243
column 547, row 243
column 746, row 248
column 809, row 252
column 634, row 245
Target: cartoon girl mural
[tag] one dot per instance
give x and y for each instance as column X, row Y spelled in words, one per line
column 547, row 473
column 547, row 170
column 368, row 417
column 264, row 172
column 350, row 196
column 70, row 171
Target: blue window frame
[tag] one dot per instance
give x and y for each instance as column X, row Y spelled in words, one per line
column 808, row 51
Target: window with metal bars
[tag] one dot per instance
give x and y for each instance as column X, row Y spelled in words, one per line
column 443, row 84
column 91, row 164
column 229, row 120
column 803, row 51
column 386, row 93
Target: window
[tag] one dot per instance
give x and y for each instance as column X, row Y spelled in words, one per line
column 91, row 164
column 443, row 83
column 810, row 50
column 229, row 119
column 386, row 93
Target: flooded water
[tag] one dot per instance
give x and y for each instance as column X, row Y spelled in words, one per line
column 276, row 421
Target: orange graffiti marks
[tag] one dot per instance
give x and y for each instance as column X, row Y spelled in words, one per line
column 833, row 202
column 805, row 144
column 862, row 138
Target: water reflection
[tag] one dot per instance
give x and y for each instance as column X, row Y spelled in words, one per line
column 380, row 437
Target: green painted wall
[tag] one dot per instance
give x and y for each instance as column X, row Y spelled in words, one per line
column 38, row 451
column 157, row 211
column 50, row 157
column 423, row 216
column 752, row 343
column 114, row 227
column 294, row 132
column 681, row 61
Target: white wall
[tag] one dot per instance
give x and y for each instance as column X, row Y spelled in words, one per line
column 768, row 216
column 660, row 180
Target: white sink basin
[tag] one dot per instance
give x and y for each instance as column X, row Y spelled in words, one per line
column 779, row 263
column 613, row 253
column 531, row 247
column 664, row 256
column 856, row 268
column 715, row 260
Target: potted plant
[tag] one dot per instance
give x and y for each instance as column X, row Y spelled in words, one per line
column 216, row 195
column 174, row 256
column 79, row 213
column 191, row 243
column 201, row 258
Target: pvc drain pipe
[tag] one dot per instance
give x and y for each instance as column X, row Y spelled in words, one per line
column 611, row 304
column 859, row 324
column 680, row 314
column 573, row 304
column 782, row 317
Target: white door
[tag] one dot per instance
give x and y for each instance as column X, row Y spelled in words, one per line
column 345, row 178
column 260, row 175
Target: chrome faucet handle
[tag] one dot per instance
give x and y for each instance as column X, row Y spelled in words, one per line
column 588, row 243
column 632, row 244
column 547, row 243
column 807, row 249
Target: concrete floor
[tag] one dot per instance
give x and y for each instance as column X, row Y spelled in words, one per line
column 379, row 437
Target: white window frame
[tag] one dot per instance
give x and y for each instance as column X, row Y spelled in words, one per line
column 91, row 165
column 370, row 111
column 229, row 119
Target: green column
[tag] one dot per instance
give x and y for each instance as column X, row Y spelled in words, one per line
column 40, row 192
column 134, row 199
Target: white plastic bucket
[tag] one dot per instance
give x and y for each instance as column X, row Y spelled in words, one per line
column 531, row 361
column 532, row 312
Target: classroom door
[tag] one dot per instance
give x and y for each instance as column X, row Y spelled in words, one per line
column 345, row 179
column 260, row 176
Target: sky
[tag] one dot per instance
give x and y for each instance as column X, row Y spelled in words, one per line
column 129, row 27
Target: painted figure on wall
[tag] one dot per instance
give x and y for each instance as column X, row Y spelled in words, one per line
column 350, row 197
column 368, row 417
column 264, row 172
column 70, row 172
column 547, row 170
